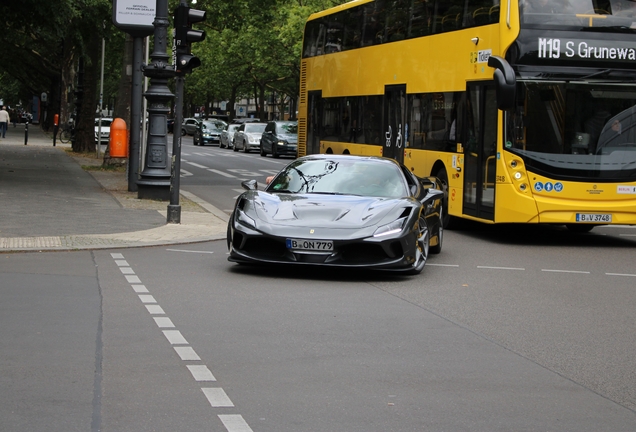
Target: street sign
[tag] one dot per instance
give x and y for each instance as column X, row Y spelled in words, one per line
column 135, row 17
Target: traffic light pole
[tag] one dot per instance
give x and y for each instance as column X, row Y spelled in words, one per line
column 155, row 178
column 174, row 209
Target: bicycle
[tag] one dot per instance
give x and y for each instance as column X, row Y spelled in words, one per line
column 67, row 133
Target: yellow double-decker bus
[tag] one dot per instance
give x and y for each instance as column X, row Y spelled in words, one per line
column 526, row 110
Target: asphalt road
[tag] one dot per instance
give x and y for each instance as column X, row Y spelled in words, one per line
column 498, row 333
column 509, row 328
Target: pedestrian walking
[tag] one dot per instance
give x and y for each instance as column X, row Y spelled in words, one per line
column 4, row 121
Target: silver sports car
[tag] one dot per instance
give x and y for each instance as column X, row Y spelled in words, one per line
column 339, row 210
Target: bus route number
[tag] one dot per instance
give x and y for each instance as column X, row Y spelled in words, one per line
column 549, row 48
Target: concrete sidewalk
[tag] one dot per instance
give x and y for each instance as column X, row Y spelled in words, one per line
column 48, row 201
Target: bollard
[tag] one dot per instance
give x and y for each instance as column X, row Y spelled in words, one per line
column 118, row 142
column 26, row 131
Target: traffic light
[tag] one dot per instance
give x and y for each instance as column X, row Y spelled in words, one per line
column 184, row 17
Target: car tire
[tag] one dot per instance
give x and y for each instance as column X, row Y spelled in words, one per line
column 234, row 147
column 274, row 153
column 183, row 132
column 245, row 149
column 263, row 150
column 440, row 234
column 423, row 247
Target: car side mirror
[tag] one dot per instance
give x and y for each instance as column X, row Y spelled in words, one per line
column 250, row 184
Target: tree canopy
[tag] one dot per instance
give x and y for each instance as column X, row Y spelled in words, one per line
column 252, row 48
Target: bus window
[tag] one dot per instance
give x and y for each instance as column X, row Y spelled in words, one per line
column 433, row 121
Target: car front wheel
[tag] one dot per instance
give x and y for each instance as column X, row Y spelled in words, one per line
column 422, row 247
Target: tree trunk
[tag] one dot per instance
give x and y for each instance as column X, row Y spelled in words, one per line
column 124, row 94
column 85, row 132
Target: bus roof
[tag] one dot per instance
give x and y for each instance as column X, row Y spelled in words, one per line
column 339, row 8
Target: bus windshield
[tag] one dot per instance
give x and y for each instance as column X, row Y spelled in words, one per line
column 575, row 130
column 591, row 15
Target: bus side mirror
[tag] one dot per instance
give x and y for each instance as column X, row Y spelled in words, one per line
column 505, row 82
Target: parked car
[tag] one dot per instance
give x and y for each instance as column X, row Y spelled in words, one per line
column 342, row 211
column 105, row 130
column 227, row 136
column 280, row 138
column 189, row 125
column 208, row 132
column 248, row 136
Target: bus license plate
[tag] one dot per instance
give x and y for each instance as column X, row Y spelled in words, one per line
column 593, row 217
column 310, row 245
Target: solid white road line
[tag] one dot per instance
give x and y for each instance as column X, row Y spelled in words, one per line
column 234, row 423
column 217, row 397
column 187, row 353
column 175, row 337
column 201, row 373
column 621, row 274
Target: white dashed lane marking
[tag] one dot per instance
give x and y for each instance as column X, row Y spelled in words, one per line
column 235, row 423
column 216, row 396
column 201, row 373
column 175, row 337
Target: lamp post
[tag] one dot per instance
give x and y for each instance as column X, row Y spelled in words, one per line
column 155, row 178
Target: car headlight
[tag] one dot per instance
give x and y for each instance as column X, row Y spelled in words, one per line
column 281, row 143
column 391, row 228
column 245, row 219
column 252, row 139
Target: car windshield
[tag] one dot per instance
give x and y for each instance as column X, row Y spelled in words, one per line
column 362, row 177
column 288, row 128
column 232, row 127
column 212, row 126
column 254, row 128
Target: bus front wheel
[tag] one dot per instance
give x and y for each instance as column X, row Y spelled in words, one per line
column 448, row 221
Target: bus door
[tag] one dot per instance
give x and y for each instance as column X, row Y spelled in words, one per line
column 394, row 124
column 480, row 151
column 314, row 120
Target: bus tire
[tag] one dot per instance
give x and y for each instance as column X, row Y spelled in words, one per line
column 448, row 221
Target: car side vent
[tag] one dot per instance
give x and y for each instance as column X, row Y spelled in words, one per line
column 406, row 212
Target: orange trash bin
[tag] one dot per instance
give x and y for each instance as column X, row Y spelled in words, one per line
column 118, row 141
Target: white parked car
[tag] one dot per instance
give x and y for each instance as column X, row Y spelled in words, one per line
column 105, row 130
column 248, row 136
column 227, row 136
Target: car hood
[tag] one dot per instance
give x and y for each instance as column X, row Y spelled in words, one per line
column 325, row 211
column 290, row 138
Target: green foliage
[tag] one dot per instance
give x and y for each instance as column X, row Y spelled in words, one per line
column 249, row 44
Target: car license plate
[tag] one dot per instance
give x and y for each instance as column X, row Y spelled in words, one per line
column 310, row 245
column 593, row 217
